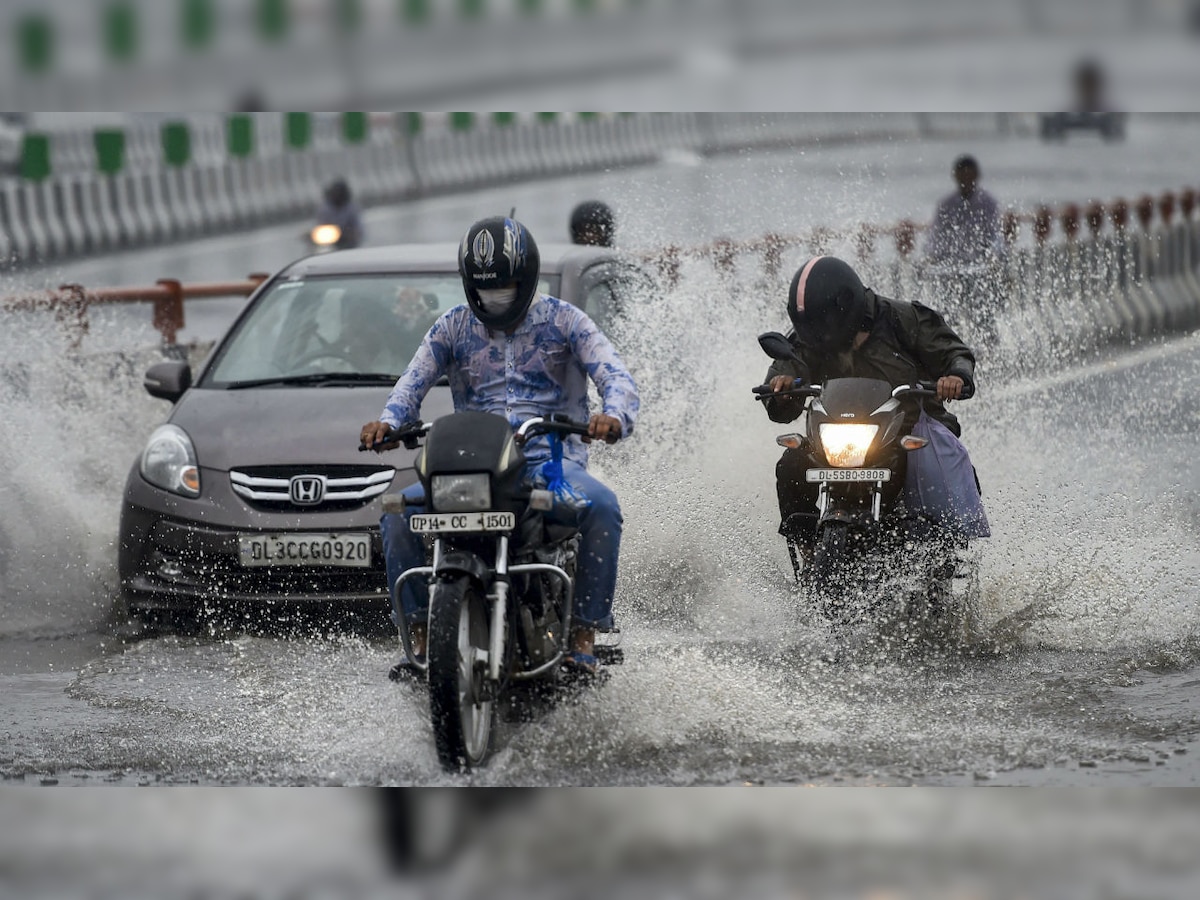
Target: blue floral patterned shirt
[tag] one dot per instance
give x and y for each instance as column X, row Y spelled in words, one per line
column 541, row 368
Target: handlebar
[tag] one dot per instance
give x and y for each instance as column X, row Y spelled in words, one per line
column 929, row 389
column 406, row 435
column 799, row 389
column 763, row 392
column 557, row 423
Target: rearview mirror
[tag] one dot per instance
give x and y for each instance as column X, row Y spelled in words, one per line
column 168, row 380
column 776, row 346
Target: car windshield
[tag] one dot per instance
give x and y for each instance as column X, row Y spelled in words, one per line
column 343, row 327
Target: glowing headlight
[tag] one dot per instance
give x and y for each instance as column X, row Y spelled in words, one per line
column 462, row 493
column 169, row 461
column 326, row 235
column 846, row 445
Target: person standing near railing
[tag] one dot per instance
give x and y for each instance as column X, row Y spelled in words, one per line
column 964, row 252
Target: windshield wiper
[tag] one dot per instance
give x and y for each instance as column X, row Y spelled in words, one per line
column 317, row 378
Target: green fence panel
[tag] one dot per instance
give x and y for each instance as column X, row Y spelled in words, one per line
column 35, row 43
column 35, row 157
column 298, row 129
column 413, row 123
column 416, row 12
column 347, row 15
column 273, row 19
column 176, row 143
column 355, row 127
column 462, row 121
column 530, row 7
column 240, row 135
column 547, row 117
column 110, row 150
column 472, row 9
column 504, row 119
column 198, row 21
column 585, row 6
column 121, row 31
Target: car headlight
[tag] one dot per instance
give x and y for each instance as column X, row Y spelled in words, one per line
column 846, row 445
column 462, row 493
column 169, row 461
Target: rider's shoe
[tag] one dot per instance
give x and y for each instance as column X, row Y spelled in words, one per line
column 407, row 670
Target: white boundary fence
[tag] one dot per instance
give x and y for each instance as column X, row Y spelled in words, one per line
column 1073, row 279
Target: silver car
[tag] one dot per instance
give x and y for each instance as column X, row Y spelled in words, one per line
column 253, row 493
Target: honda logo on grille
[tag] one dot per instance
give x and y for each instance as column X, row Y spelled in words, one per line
column 306, row 490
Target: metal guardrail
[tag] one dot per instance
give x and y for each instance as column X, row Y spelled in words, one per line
column 1101, row 276
column 71, row 302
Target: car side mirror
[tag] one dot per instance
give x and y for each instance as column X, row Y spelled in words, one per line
column 168, row 380
column 776, row 346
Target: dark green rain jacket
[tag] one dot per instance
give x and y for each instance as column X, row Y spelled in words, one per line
column 908, row 342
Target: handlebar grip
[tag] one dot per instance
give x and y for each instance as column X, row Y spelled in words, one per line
column 968, row 391
column 761, row 389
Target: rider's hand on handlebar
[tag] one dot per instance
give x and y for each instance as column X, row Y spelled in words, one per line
column 372, row 433
column 782, row 383
column 950, row 387
column 603, row 428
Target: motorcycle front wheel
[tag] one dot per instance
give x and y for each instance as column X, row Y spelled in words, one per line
column 828, row 576
column 458, row 644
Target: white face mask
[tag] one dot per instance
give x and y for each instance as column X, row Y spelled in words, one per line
column 497, row 301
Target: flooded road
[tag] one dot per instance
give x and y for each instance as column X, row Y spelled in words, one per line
column 1083, row 671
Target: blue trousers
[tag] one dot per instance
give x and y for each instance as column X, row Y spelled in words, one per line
column 599, row 546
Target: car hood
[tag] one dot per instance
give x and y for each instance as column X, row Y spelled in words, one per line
column 290, row 426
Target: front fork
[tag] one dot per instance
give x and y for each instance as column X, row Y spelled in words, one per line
column 498, row 605
column 824, row 503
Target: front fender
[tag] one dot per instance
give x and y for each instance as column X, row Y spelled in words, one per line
column 457, row 563
column 854, row 518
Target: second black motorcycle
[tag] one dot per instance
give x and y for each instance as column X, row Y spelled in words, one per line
column 871, row 555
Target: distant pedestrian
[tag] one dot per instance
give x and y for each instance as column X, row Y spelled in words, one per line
column 966, row 223
column 964, row 255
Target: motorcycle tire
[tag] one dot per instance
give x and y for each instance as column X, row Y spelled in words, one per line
column 463, row 722
column 829, row 574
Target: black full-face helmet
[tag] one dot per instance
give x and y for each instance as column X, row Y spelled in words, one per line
column 497, row 253
column 827, row 302
column 592, row 222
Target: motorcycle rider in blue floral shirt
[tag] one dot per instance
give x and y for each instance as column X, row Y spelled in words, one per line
column 515, row 352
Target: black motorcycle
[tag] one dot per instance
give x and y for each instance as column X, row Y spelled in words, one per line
column 501, row 575
column 871, row 553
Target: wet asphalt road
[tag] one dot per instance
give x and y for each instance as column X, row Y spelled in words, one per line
column 1083, row 672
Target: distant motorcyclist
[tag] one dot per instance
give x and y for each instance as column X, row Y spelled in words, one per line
column 842, row 329
column 592, row 222
column 339, row 209
column 516, row 352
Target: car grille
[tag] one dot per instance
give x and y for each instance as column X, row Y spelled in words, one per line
column 321, row 488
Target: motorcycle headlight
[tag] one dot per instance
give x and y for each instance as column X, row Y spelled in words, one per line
column 462, row 493
column 169, row 461
column 326, row 235
column 846, row 445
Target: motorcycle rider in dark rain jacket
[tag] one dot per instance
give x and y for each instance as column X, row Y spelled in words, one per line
column 844, row 330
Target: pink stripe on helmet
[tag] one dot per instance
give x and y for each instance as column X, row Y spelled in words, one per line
column 804, row 280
